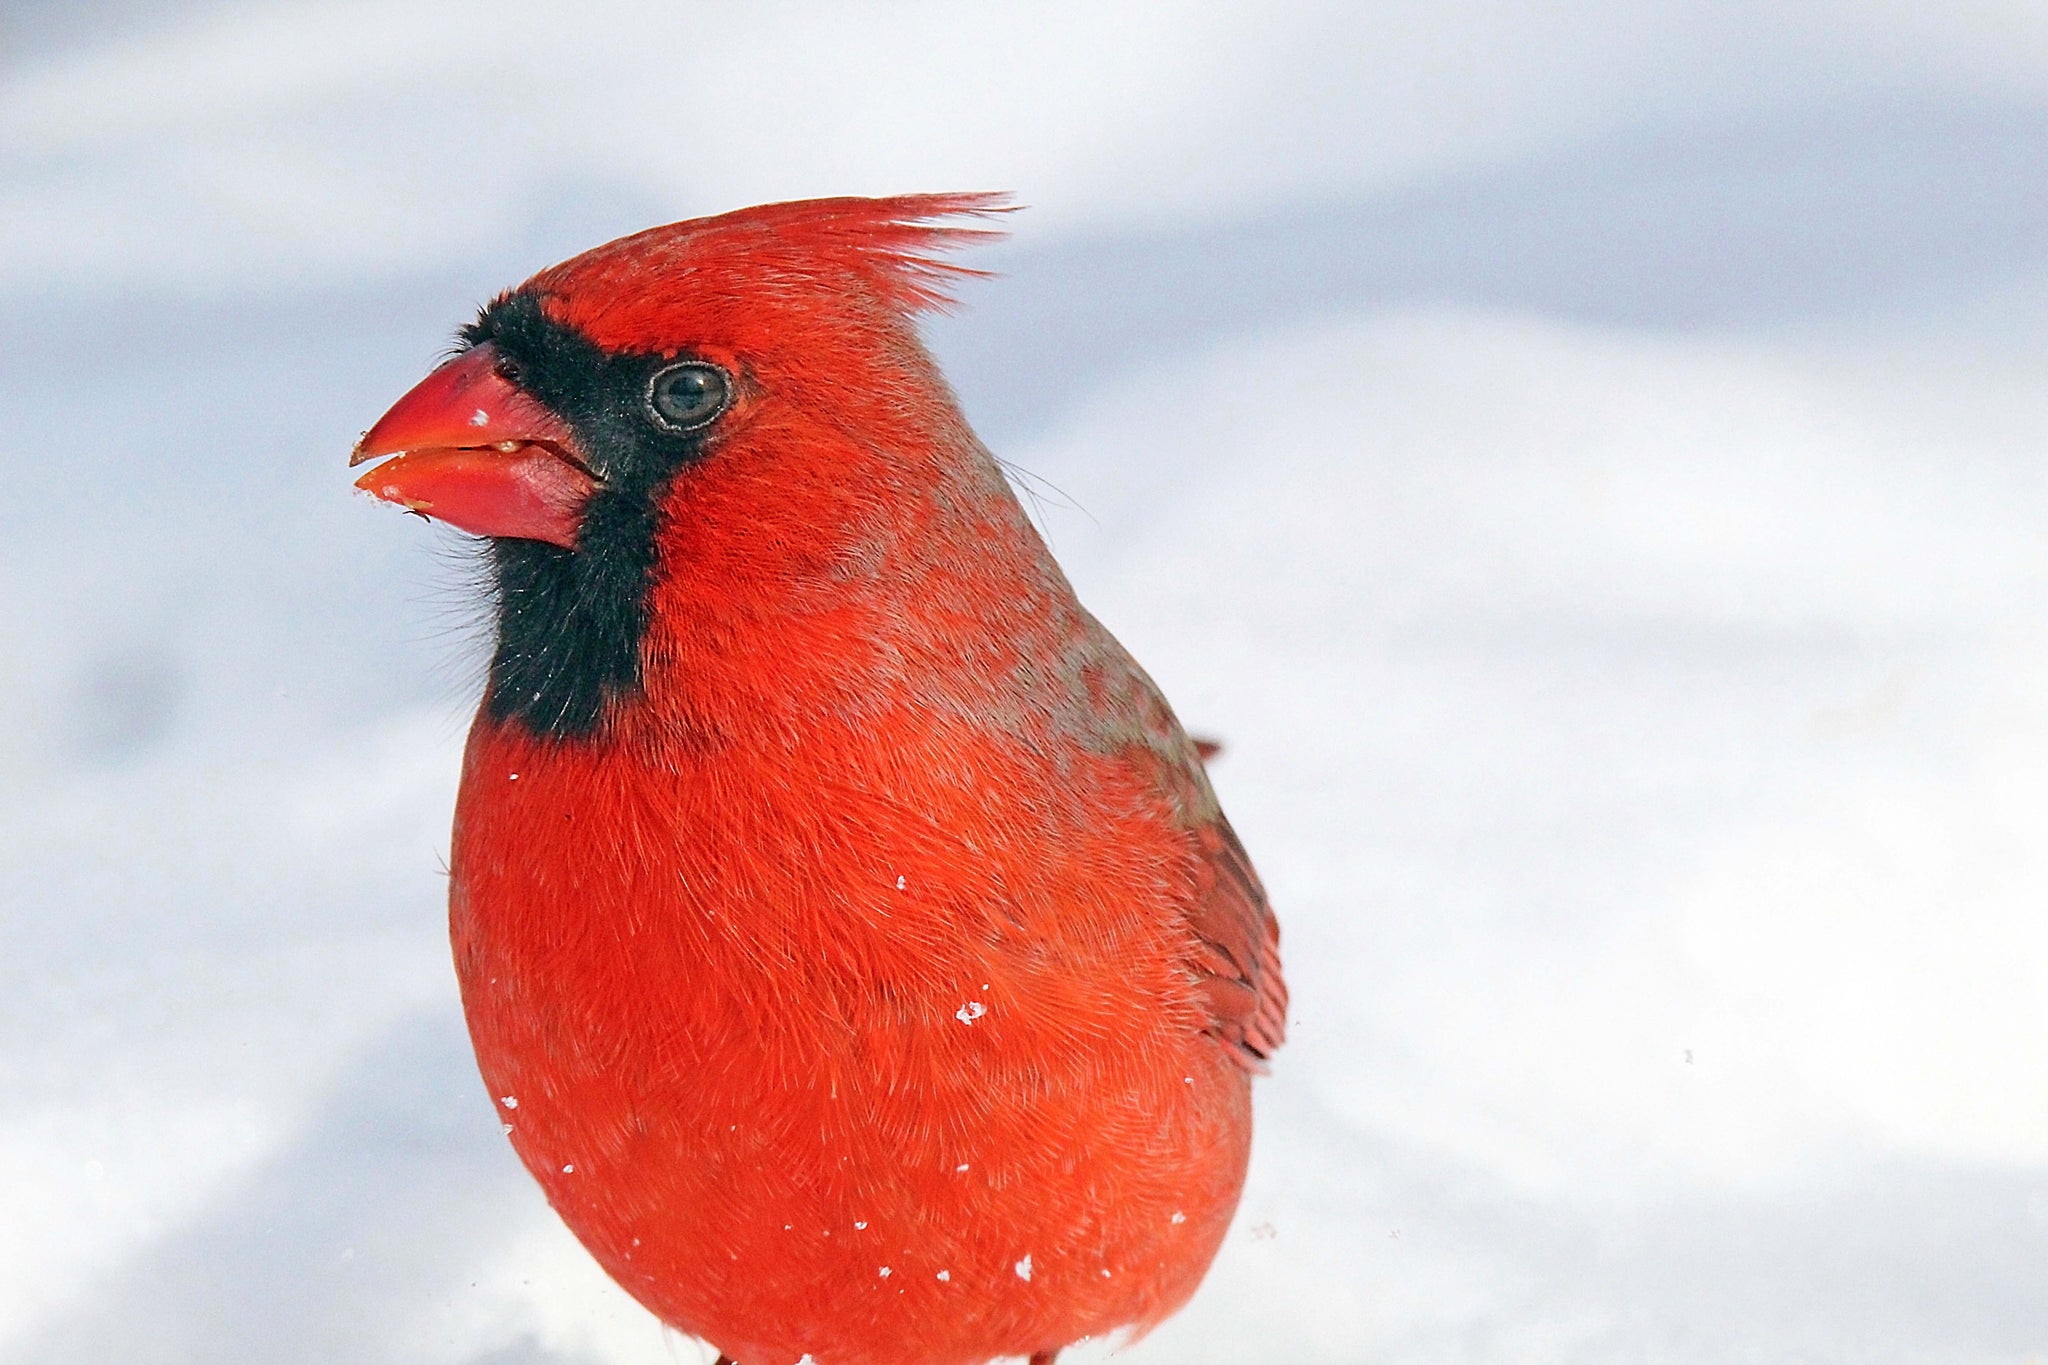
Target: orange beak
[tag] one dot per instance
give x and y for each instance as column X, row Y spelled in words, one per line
column 476, row 451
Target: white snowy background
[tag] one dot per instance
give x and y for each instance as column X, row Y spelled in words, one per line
column 1591, row 467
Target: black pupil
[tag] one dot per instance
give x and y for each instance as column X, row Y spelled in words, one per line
column 689, row 394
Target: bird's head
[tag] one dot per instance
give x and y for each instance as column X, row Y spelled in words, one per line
column 732, row 370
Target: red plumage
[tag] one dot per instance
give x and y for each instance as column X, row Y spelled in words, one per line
column 876, row 978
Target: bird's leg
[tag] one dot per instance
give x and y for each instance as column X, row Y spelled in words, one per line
column 725, row 1360
column 1044, row 1357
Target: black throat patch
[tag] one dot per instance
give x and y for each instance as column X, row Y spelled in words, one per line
column 571, row 622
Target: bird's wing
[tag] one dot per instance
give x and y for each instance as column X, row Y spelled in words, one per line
column 1237, row 956
column 1234, row 952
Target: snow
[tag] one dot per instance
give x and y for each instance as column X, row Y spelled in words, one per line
column 1588, row 471
column 285, row 137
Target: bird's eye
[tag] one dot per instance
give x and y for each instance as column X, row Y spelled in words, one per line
column 687, row 396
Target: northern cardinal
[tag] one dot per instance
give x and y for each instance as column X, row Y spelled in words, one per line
column 851, row 940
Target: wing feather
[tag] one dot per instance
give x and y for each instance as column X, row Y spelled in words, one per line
column 1237, row 957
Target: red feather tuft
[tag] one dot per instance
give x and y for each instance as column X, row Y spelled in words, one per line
column 888, row 250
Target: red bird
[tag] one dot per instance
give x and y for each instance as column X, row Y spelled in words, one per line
column 850, row 938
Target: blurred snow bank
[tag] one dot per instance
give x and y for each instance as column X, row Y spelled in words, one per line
column 252, row 143
column 196, row 949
